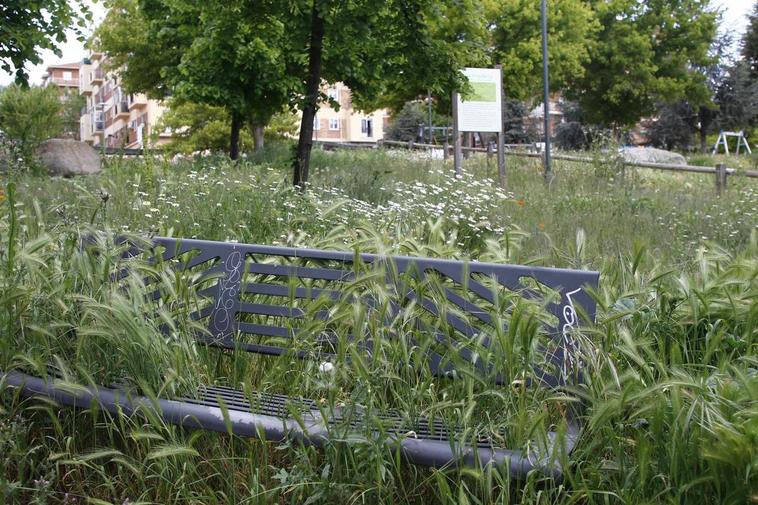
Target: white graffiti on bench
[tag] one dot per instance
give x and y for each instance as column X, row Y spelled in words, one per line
column 228, row 294
column 569, row 343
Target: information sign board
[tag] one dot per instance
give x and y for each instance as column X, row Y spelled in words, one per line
column 481, row 109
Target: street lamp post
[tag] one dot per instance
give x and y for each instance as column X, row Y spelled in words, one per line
column 546, row 93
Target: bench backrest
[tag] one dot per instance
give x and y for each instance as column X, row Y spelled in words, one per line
column 247, row 273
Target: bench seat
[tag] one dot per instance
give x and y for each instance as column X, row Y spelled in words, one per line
column 269, row 418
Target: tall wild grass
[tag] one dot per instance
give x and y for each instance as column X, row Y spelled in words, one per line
column 670, row 389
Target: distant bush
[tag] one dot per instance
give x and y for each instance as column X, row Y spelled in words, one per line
column 572, row 136
column 30, row 116
column 405, row 123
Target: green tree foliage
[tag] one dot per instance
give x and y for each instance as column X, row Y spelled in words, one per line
column 29, row 116
column 645, row 52
column 674, row 126
column 750, row 41
column 514, row 127
column 71, row 111
column 517, row 38
column 405, row 123
column 387, row 53
column 28, row 27
column 140, row 59
column 737, row 99
column 198, row 127
column 236, row 55
column 714, row 72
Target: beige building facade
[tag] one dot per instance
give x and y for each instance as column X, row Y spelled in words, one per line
column 111, row 117
column 347, row 124
column 120, row 120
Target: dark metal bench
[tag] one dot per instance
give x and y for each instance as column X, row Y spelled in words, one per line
column 249, row 291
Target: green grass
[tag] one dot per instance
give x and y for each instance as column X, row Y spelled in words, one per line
column 671, row 383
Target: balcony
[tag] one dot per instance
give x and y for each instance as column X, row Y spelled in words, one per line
column 131, row 137
column 97, row 76
column 85, row 88
column 137, row 101
column 60, row 81
column 122, row 110
column 85, row 132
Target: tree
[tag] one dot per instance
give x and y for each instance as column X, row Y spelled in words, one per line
column 514, row 129
column 387, row 53
column 676, row 122
column 516, row 42
column 125, row 36
column 30, row 116
column 737, row 99
column 405, row 123
column 750, row 42
column 28, row 27
column 714, row 72
column 674, row 126
column 198, row 127
column 231, row 54
column 645, row 52
column 574, row 133
column 71, row 112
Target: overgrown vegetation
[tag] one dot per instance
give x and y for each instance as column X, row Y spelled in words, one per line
column 28, row 117
column 670, row 364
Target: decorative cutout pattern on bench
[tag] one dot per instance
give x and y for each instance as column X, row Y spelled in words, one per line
column 259, row 298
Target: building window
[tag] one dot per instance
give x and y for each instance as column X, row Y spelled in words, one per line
column 67, row 76
column 334, row 124
column 367, row 127
column 316, row 123
column 333, row 94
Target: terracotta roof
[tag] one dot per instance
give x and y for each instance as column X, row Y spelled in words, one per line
column 74, row 65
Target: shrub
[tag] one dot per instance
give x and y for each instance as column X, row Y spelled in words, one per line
column 30, row 116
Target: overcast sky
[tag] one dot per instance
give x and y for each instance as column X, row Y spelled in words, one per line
column 735, row 18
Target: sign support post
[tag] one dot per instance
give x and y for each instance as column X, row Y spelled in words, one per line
column 431, row 126
column 457, row 151
column 501, row 134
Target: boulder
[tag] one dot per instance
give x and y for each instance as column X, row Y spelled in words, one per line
column 68, row 157
column 651, row 155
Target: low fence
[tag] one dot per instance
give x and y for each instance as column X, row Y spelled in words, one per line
column 720, row 171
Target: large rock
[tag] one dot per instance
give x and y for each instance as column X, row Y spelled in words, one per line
column 651, row 155
column 68, row 157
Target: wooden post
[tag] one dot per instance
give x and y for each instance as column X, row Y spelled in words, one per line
column 721, row 176
column 457, row 154
column 446, row 151
column 410, row 144
column 501, row 134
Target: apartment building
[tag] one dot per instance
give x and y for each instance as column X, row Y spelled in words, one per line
column 120, row 120
column 110, row 116
column 65, row 76
column 536, row 118
column 347, row 124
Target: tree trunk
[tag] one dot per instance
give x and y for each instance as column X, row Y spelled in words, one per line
column 303, row 155
column 234, row 139
column 705, row 121
column 257, row 137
